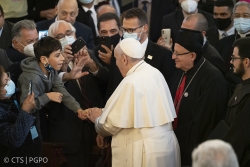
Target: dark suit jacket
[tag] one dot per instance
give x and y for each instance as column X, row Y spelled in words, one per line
column 174, row 21
column 4, row 60
column 82, row 17
column 64, row 125
column 213, row 36
column 155, row 55
column 81, row 31
column 213, row 56
column 5, row 38
column 159, row 9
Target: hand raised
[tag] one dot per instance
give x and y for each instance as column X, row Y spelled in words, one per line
column 29, row 103
column 106, row 57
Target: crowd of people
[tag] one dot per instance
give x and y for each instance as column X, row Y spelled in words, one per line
column 94, row 83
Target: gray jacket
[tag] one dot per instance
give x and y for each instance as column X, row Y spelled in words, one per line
column 42, row 85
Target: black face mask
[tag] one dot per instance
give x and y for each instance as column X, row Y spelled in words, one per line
column 223, row 24
column 115, row 39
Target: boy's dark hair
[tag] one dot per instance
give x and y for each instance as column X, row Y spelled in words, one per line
column 1, row 11
column 243, row 45
column 137, row 13
column 45, row 46
column 107, row 17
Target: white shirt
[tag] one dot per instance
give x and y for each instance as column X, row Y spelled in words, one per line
column 93, row 15
column 231, row 31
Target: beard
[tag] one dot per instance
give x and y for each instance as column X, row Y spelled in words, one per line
column 240, row 71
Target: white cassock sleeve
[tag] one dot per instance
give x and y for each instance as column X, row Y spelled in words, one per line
column 106, row 129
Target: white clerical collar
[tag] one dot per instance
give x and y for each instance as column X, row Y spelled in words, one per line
column 243, row 35
column 144, row 45
column 134, row 67
column 231, row 31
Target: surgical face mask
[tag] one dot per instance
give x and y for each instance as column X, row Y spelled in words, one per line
column 242, row 25
column 10, row 88
column 67, row 40
column 29, row 50
column 189, row 6
column 132, row 35
column 86, row 1
column 48, row 67
column 223, row 24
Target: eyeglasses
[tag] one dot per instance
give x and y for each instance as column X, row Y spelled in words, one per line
column 233, row 58
column 180, row 53
column 245, row 15
column 130, row 30
column 67, row 33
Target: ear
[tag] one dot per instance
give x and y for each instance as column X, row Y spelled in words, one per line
column 56, row 10
column 44, row 59
column 77, row 11
column 14, row 42
column 193, row 57
column 124, row 59
column 247, row 62
column 145, row 28
column 203, row 33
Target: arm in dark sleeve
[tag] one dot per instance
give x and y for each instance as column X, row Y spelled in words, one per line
column 14, row 135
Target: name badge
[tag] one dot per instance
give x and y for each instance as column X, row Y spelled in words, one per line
column 33, row 132
column 150, row 57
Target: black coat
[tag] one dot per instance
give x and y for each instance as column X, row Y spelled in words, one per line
column 4, row 60
column 81, row 31
column 174, row 21
column 5, row 38
column 64, row 124
column 213, row 56
column 238, row 120
column 202, row 109
column 161, row 59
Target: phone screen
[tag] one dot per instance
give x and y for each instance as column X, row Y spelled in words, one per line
column 30, row 87
column 42, row 34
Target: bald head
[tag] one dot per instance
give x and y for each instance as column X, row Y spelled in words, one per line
column 195, row 22
column 67, row 10
column 105, row 9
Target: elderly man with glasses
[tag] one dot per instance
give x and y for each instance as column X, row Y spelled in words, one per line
column 64, row 126
column 199, row 91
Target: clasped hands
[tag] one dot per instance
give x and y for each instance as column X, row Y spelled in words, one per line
column 91, row 114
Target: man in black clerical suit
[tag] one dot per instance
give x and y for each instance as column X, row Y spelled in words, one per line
column 68, row 10
column 199, row 91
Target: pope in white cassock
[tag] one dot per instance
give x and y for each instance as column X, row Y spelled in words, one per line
column 139, row 114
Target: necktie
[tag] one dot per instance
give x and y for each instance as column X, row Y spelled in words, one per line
column 224, row 35
column 177, row 99
column 145, row 8
column 85, row 99
column 90, row 22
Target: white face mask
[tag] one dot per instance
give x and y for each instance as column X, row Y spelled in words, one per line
column 67, row 40
column 10, row 88
column 86, row 1
column 189, row 6
column 242, row 25
column 29, row 50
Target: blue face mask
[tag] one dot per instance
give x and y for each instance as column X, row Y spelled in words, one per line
column 132, row 35
column 242, row 25
column 86, row 1
column 10, row 88
column 48, row 67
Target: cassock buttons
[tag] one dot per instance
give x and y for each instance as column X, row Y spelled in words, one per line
column 186, row 94
column 150, row 57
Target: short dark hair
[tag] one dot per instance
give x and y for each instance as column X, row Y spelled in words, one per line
column 107, row 17
column 228, row 3
column 137, row 13
column 45, row 46
column 1, row 74
column 1, row 10
column 243, row 45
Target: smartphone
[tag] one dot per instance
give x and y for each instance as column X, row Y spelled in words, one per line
column 42, row 34
column 30, row 87
column 106, row 40
column 77, row 45
column 166, row 34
